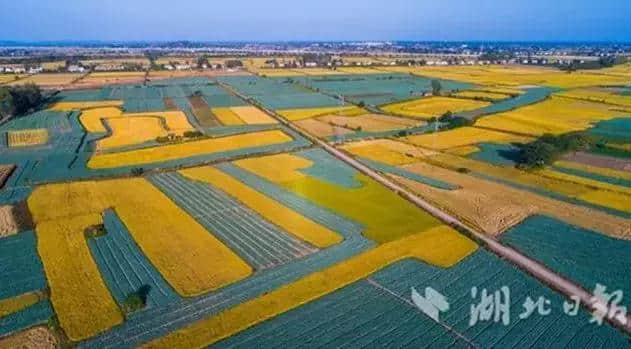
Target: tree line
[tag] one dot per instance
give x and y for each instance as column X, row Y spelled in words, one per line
column 19, row 99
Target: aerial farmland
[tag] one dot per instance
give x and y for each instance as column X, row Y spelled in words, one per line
column 290, row 195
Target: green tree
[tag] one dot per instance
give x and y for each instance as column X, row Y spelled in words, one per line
column 436, row 87
column 7, row 106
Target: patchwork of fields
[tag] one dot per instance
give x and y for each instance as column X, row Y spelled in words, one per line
column 181, row 210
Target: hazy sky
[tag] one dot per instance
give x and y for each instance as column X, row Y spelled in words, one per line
column 262, row 20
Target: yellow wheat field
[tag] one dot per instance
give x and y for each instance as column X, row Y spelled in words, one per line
column 289, row 220
column 441, row 246
column 305, row 113
column 25, row 138
column 252, row 115
column 14, row 304
column 187, row 149
column 227, row 117
column 464, row 136
column 68, row 106
column 433, row 106
column 555, row 115
column 82, row 301
column 189, row 257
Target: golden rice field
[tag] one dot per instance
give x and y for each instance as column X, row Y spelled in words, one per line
column 464, row 150
column 317, row 71
column 493, row 96
column 305, row 113
column 425, row 108
column 555, row 115
column 492, row 207
column 598, row 96
column 252, row 115
column 114, row 77
column 185, row 253
column 187, row 149
column 357, row 111
column 441, row 246
column 82, row 301
column 370, row 122
column 129, row 60
column 49, row 80
column 387, row 151
column 227, row 117
column 272, row 72
column 291, row 221
column 464, row 136
column 92, row 119
column 25, row 138
column 12, row 305
column 511, row 75
column 320, row 128
column 128, row 131
column 384, row 215
column 620, row 70
column 134, row 128
column 68, row 106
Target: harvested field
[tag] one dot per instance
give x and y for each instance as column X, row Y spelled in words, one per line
column 185, row 253
column 555, row 115
column 48, row 80
column 188, row 149
column 600, row 161
column 294, row 223
column 387, row 151
column 433, row 106
column 252, row 115
column 202, row 112
column 26, row 138
column 320, row 128
column 34, row 338
column 5, row 172
column 440, row 246
column 14, row 219
column 370, row 122
column 464, row 136
column 259, row 242
column 227, row 116
column 110, row 78
column 306, row 113
column 493, row 207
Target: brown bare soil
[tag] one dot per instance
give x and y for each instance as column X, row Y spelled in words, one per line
column 33, row 338
column 5, row 172
column 370, row 122
column 14, row 219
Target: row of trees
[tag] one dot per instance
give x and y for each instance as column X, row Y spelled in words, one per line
column 20, row 99
column 549, row 148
